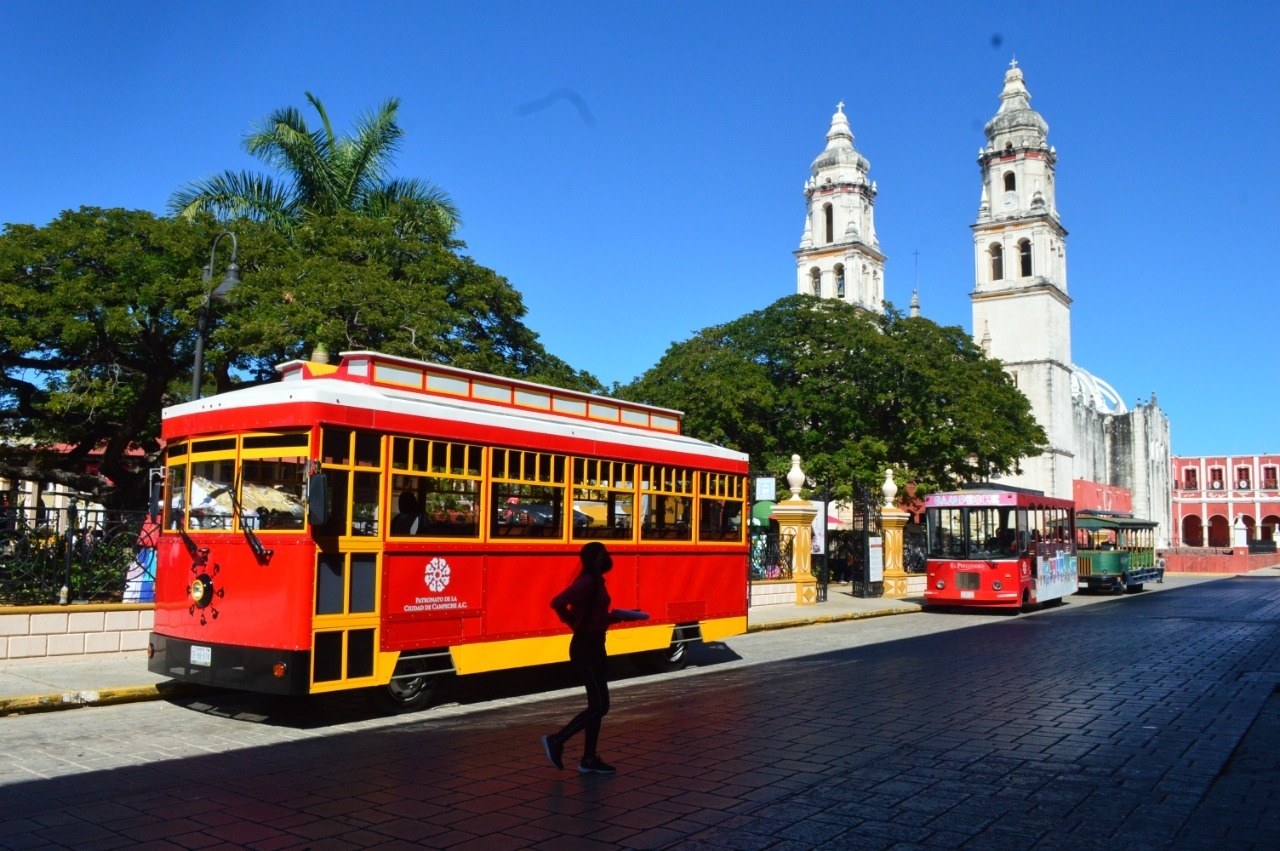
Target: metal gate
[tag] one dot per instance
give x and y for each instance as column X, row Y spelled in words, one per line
column 849, row 549
column 769, row 556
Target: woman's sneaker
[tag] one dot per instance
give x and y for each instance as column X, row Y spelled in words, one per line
column 595, row 765
column 554, row 750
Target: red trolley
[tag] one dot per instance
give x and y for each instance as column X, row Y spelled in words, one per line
column 999, row 547
column 383, row 521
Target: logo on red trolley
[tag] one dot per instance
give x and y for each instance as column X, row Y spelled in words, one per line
column 437, row 575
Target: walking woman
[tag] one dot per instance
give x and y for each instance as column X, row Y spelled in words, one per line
column 584, row 606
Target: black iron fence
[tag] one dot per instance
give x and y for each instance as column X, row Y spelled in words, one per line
column 769, row 556
column 61, row 555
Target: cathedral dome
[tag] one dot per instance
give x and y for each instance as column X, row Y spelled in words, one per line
column 840, row 155
column 1016, row 122
column 1091, row 390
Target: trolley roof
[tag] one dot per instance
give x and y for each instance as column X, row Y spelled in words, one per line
column 1108, row 520
column 379, row 382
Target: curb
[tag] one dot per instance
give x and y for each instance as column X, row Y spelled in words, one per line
column 28, row 704
column 846, row 616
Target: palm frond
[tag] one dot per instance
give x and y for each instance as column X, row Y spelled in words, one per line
column 366, row 155
column 414, row 197
column 233, row 195
column 324, row 118
column 263, row 141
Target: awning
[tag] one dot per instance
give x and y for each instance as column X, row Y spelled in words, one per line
column 760, row 513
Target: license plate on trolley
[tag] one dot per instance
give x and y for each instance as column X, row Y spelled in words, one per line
column 201, row 655
column 964, row 595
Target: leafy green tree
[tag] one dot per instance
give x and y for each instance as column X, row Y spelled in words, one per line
column 851, row 393
column 322, row 173
column 98, row 313
column 96, row 319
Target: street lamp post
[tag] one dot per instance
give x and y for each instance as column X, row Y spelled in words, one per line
column 220, row 293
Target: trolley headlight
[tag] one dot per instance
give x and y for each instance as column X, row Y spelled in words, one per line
column 996, row 586
column 940, row 584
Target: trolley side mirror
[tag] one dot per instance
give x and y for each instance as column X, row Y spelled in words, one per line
column 317, row 499
column 153, row 508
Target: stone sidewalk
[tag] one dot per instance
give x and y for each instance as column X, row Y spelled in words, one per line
column 1147, row 723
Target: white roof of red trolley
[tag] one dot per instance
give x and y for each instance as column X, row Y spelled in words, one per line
column 405, row 374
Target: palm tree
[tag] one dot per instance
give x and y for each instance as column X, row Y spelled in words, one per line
column 324, row 174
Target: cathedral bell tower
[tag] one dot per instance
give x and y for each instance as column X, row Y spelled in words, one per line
column 839, row 255
column 1021, row 310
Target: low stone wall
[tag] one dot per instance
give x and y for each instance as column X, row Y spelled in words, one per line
column 74, row 630
column 773, row 592
column 1216, row 560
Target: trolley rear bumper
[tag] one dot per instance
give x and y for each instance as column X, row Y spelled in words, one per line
column 230, row 666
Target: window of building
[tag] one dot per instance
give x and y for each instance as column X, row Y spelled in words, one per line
column 1010, row 182
column 839, row 281
column 1216, row 477
column 997, row 262
column 815, row 281
column 1024, row 257
column 1243, row 478
column 829, row 217
column 1191, row 479
column 1269, row 478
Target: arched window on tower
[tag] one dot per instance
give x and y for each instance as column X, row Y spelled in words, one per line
column 1024, row 257
column 839, row 281
column 815, row 281
column 830, row 217
column 997, row 262
column 1010, row 182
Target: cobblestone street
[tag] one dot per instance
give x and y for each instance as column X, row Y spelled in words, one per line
column 1147, row 722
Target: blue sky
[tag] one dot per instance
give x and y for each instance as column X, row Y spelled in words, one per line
column 669, row 197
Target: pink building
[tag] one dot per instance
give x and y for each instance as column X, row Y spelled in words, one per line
column 1225, row 500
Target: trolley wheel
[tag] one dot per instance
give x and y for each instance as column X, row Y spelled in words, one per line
column 673, row 658
column 1026, row 601
column 407, row 695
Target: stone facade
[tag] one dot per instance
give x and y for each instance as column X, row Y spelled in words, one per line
column 1022, row 316
column 1021, row 309
column 1226, row 500
column 839, row 255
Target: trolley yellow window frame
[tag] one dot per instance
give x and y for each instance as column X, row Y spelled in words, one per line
column 527, row 495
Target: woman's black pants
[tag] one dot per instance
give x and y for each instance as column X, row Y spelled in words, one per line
column 587, row 655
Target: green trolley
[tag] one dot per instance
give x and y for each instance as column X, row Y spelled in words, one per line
column 1116, row 552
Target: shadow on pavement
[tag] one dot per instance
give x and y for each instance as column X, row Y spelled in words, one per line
column 311, row 712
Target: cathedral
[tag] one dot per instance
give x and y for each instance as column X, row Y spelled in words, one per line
column 1099, row 452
